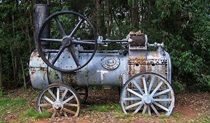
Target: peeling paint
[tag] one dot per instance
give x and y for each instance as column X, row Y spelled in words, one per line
column 141, row 63
column 69, row 79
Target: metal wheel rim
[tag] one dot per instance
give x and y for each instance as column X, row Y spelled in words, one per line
column 140, row 94
column 83, row 93
column 59, row 100
column 62, row 48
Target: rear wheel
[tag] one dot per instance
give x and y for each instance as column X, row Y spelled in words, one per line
column 147, row 93
column 83, row 93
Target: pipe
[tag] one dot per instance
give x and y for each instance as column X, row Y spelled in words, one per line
column 42, row 11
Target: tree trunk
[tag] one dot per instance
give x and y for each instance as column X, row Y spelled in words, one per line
column 98, row 16
column 1, row 83
column 23, row 73
column 109, row 19
column 27, row 28
column 13, row 62
column 135, row 16
column 11, row 49
column 28, row 38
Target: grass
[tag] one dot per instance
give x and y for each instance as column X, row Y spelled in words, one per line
column 105, row 108
column 112, row 107
column 33, row 113
column 176, row 115
column 8, row 102
column 201, row 119
column 19, row 106
column 122, row 115
column 163, row 116
column 10, row 106
column 15, row 106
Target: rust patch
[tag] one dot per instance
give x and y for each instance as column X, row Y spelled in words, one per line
column 53, row 74
column 70, row 79
column 140, row 64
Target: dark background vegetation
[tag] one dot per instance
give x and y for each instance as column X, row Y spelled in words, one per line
column 183, row 26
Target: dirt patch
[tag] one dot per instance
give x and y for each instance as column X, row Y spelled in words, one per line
column 61, row 121
column 186, row 112
column 196, row 103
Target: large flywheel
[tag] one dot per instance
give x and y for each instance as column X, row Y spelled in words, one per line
column 70, row 35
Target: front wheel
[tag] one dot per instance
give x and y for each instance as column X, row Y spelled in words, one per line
column 59, row 100
column 147, row 93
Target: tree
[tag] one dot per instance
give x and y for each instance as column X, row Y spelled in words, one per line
column 183, row 26
column 16, row 40
column 134, row 10
column 1, row 85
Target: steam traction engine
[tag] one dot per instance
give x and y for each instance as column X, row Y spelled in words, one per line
column 72, row 57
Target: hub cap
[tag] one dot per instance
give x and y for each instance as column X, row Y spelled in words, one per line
column 147, row 99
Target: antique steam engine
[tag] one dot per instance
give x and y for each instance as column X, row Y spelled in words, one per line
column 72, row 57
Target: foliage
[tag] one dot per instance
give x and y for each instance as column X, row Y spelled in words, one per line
column 184, row 27
column 16, row 40
column 178, row 87
column 1, row 92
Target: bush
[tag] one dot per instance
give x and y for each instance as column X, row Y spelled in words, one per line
column 178, row 87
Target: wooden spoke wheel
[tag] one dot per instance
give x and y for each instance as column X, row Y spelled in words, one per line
column 59, row 100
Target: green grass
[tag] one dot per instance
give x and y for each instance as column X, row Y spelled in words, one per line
column 19, row 107
column 33, row 113
column 8, row 102
column 13, row 108
column 201, row 119
column 176, row 115
column 112, row 107
column 105, row 108
column 10, row 106
column 122, row 115
column 163, row 116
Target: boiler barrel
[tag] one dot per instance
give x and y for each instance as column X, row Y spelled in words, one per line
column 103, row 69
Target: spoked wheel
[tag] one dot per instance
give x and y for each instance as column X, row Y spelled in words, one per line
column 147, row 93
column 70, row 34
column 59, row 100
column 83, row 93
